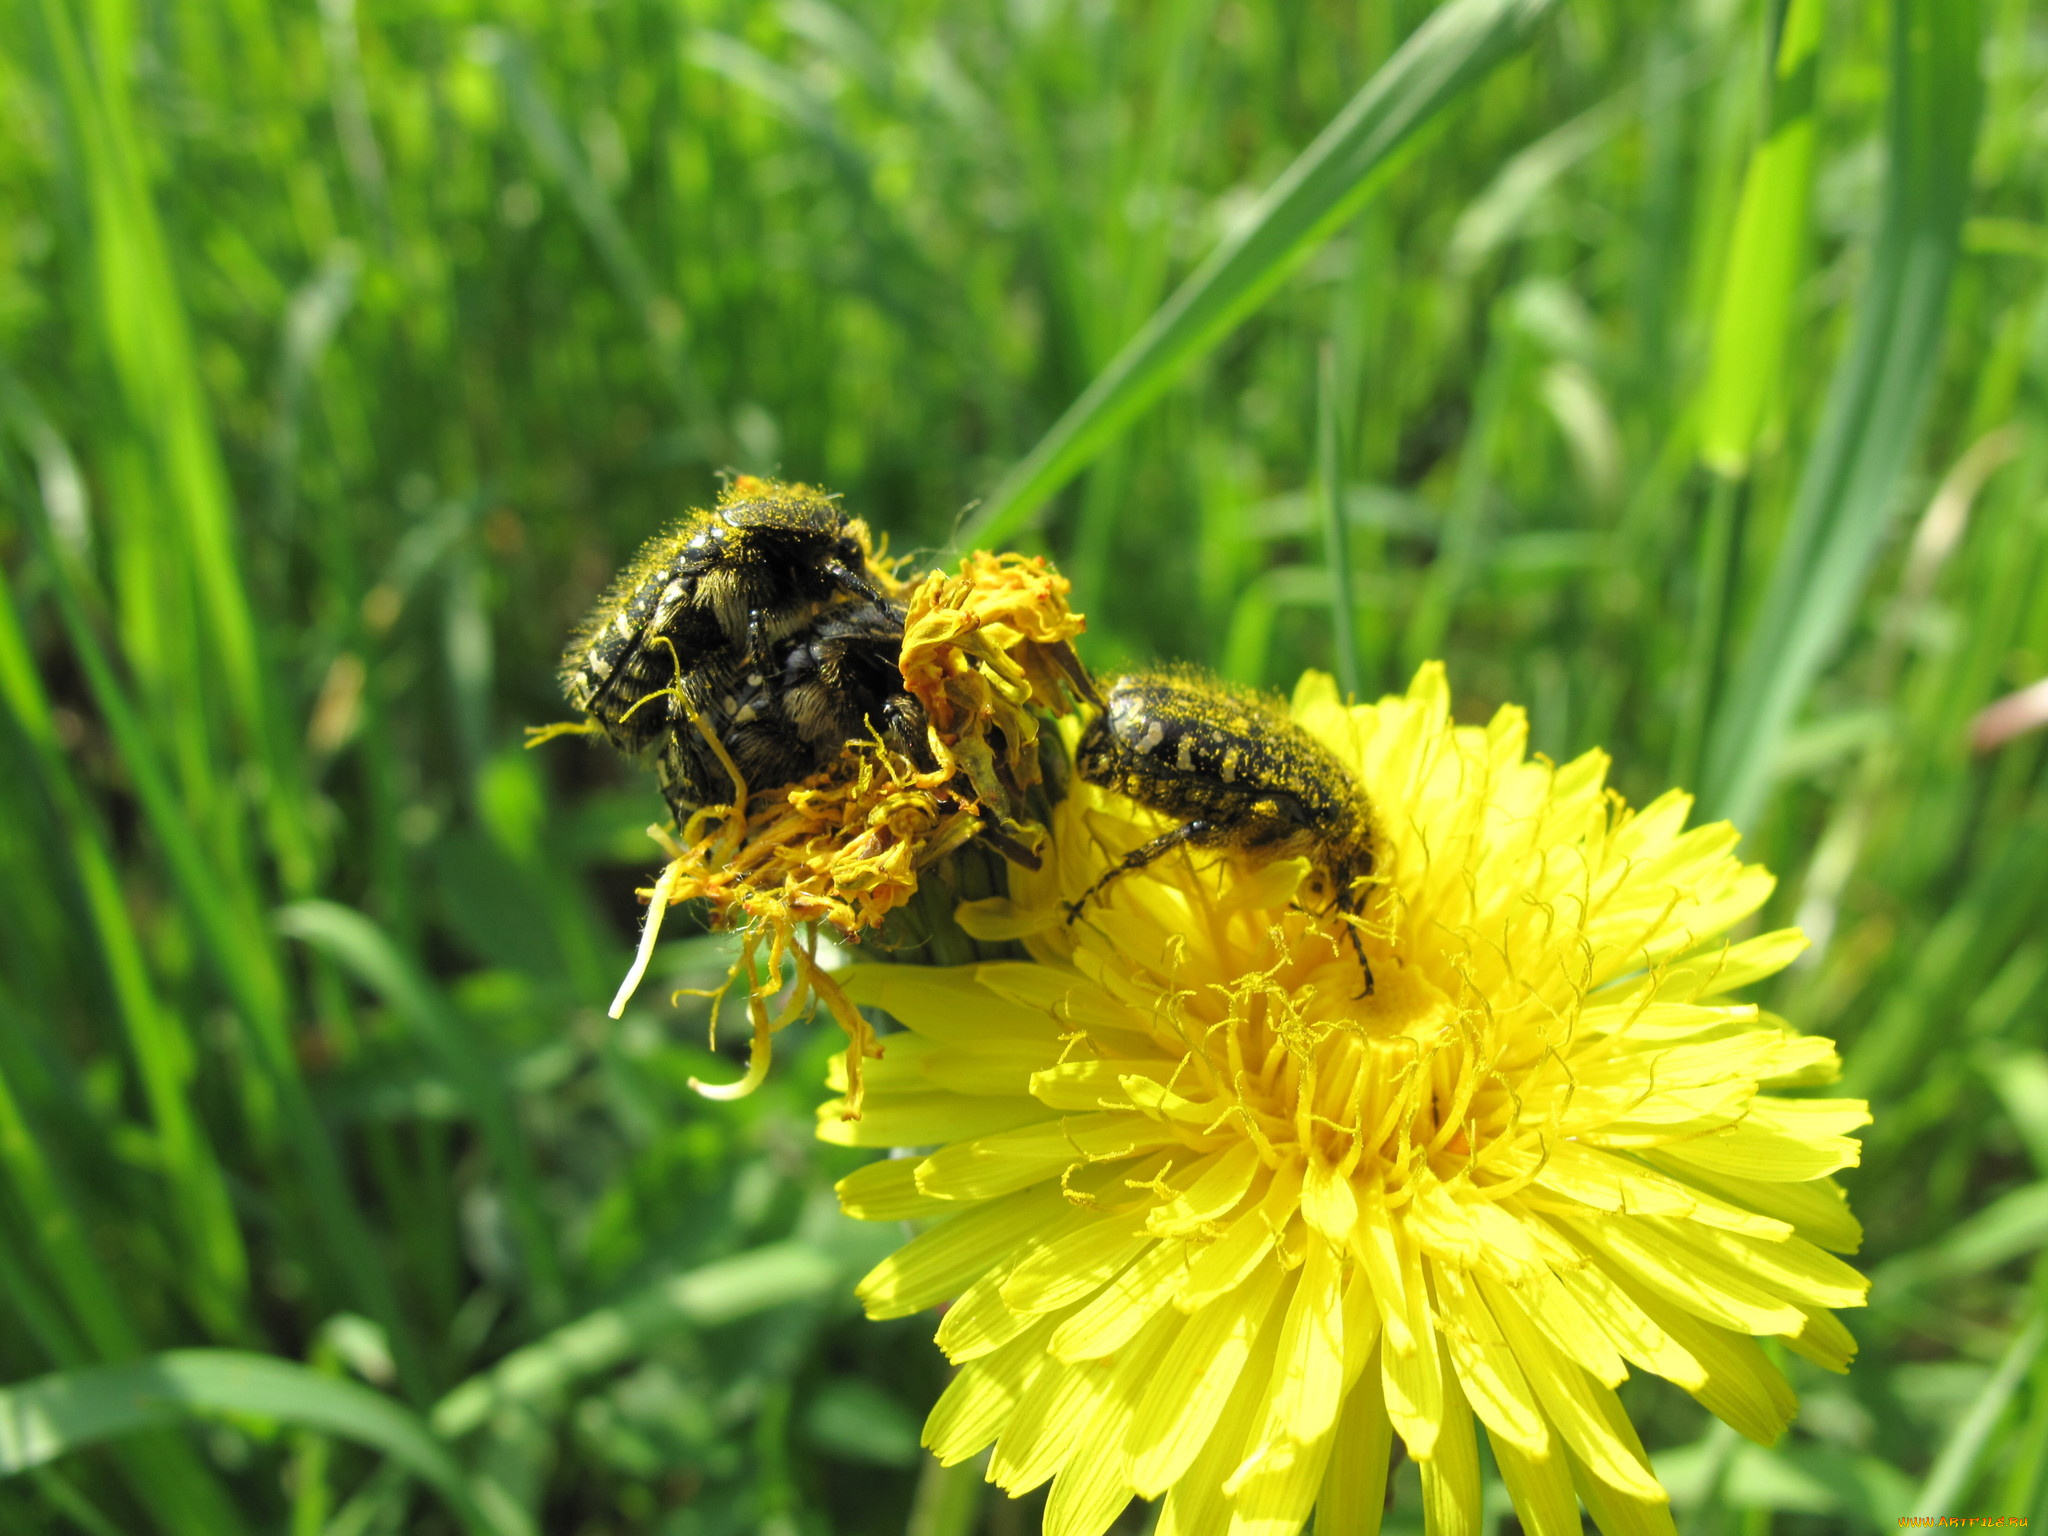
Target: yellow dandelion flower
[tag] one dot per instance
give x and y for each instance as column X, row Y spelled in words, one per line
column 1216, row 1227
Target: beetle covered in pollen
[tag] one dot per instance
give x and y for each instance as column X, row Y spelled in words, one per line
column 719, row 588
column 783, row 717
column 1236, row 772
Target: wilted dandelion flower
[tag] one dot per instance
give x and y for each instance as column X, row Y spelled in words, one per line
column 986, row 654
column 1217, row 1227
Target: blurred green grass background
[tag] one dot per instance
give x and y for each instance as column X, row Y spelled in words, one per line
column 1679, row 370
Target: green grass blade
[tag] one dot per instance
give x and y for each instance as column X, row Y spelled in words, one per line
column 2010, row 1227
column 1331, row 512
column 180, row 1490
column 61, row 1235
column 1462, row 545
column 37, row 1313
column 1325, row 185
column 659, row 315
column 376, row 1507
column 897, row 271
column 1949, row 1481
column 949, row 1499
column 250, row 970
column 1248, row 640
column 142, row 319
column 247, row 967
column 1705, row 656
column 73, row 1505
column 1850, row 482
column 1766, row 259
column 219, row 1275
column 1994, row 911
column 363, row 949
column 716, row 1293
column 1499, row 213
column 2025, row 1485
column 1765, row 254
column 54, row 1415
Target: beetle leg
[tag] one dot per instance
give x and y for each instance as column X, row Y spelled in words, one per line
column 1139, row 857
column 1365, row 965
column 850, row 580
